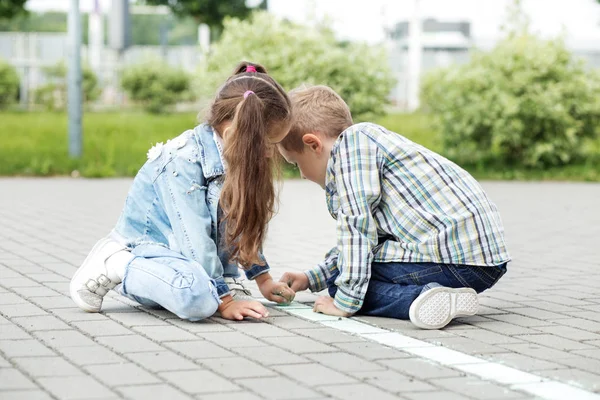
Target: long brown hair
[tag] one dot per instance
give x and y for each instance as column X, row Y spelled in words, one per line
column 258, row 110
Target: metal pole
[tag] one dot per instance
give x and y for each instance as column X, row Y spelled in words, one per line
column 74, row 94
column 415, row 50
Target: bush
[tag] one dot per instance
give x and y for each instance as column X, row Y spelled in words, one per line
column 528, row 102
column 155, row 85
column 53, row 95
column 9, row 84
column 296, row 54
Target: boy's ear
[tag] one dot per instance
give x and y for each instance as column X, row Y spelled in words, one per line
column 313, row 142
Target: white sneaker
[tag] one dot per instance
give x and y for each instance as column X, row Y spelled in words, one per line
column 436, row 307
column 93, row 279
column 238, row 290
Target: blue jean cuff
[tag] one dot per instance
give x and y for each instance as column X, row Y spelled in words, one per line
column 222, row 287
column 256, row 270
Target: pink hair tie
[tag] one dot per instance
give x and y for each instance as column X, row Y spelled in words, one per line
column 250, row 68
column 248, row 93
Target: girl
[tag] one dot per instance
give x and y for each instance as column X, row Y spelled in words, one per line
column 186, row 223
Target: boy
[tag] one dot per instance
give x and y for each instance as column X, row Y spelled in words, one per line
column 417, row 236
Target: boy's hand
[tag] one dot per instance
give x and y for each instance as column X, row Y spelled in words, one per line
column 237, row 310
column 297, row 281
column 324, row 305
column 278, row 292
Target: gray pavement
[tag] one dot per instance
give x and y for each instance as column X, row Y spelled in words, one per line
column 543, row 317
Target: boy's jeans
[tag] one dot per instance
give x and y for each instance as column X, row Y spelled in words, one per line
column 394, row 286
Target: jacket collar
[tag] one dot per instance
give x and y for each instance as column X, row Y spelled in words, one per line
column 210, row 158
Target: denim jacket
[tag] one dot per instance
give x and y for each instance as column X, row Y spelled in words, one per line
column 174, row 202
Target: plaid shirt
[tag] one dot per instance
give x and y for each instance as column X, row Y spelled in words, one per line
column 396, row 201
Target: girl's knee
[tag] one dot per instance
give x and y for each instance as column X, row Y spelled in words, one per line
column 199, row 308
column 201, row 301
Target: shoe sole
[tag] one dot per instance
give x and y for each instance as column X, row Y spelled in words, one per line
column 435, row 308
column 73, row 289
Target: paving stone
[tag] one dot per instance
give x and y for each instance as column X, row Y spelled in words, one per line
column 200, row 381
column 121, row 374
column 138, row 318
column 228, row 396
column 580, row 362
column 11, row 379
column 91, row 355
column 419, row 368
column 165, row 333
column 158, row 391
column 129, row 343
column 102, row 328
column 12, row 332
column 25, row 395
column 328, row 335
column 372, row 351
column 445, row 395
column 24, row 348
column 524, row 321
column 159, row 361
column 538, row 313
column 314, row 374
column 200, row 326
column 230, row 339
column 290, row 322
column 592, row 353
column 46, row 366
column 344, row 362
column 11, row 298
column 18, row 282
column 392, row 381
column 555, row 342
column 41, row 323
column 80, row 387
column 61, row 339
column 358, row 390
column 476, row 388
column 199, row 349
column 278, row 388
column 467, row 346
column 584, row 379
column 522, row 362
column 75, row 314
column 537, row 351
column 42, row 291
column 261, row 330
column 20, row 310
column 237, row 367
column 483, row 336
column 271, row 355
column 299, row 345
column 570, row 332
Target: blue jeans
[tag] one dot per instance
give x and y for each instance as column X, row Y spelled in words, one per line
column 158, row 276
column 394, row 286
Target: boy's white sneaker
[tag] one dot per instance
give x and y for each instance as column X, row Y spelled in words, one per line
column 94, row 278
column 238, row 290
column 436, row 307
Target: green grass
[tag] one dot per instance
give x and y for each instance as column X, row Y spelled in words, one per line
column 115, row 144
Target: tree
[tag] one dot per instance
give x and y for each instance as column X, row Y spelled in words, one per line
column 11, row 8
column 296, row 54
column 209, row 12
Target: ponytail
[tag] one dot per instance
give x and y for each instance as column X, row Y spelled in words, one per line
column 257, row 109
column 248, row 195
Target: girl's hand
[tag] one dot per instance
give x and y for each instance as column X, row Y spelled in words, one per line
column 297, row 281
column 278, row 292
column 238, row 310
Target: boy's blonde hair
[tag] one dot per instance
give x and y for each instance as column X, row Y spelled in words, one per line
column 315, row 109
